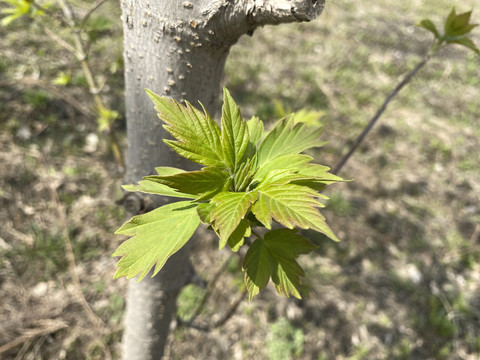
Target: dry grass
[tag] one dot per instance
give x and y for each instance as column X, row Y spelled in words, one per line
column 404, row 282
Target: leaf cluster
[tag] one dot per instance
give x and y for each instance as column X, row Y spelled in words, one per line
column 250, row 178
column 17, row 9
column 456, row 30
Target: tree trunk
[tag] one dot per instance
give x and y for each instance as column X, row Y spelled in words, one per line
column 177, row 49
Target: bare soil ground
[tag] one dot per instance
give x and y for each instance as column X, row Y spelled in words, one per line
column 404, row 282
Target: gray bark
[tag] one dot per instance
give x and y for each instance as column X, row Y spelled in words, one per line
column 177, row 49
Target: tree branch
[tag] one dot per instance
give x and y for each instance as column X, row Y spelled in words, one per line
column 232, row 19
column 379, row 113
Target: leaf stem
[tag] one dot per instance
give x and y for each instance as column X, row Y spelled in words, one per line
column 382, row 109
column 95, row 6
column 254, row 233
column 228, row 314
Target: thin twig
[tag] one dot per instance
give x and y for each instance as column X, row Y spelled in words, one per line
column 475, row 234
column 220, row 322
column 95, row 6
column 228, row 314
column 379, row 112
column 60, row 41
column 45, row 327
column 50, row 13
column 67, row 11
column 209, row 290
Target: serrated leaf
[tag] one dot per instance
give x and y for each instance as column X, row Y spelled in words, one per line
column 457, row 25
column 459, row 33
column 309, row 117
column 292, row 206
column 467, row 43
column 286, row 277
column 430, row 26
column 235, row 137
column 284, row 247
column 168, row 170
column 236, row 240
column 320, row 177
column 19, row 9
column 204, row 211
column 157, row 235
column 244, row 174
column 253, row 220
column 196, row 133
column 278, row 177
column 288, row 243
column 287, row 139
column 287, row 162
column 258, row 265
column 255, row 129
column 461, row 20
column 204, row 183
column 449, row 22
column 150, row 187
column 274, row 256
column 231, row 208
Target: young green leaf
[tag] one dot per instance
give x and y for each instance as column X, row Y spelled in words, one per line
column 291, row 205
column 151, row 187
column 288, row 243
column 286, row 162
column 20, row 8
column 204, row 183
column 450, row 20
column 235, row 137
column 255, row 129
column 430, row 26
column 274, row 256
column 249, row 180
column 197, row 134
column 278, row 177
column 157, row 235
column 311, row 118
column 204, row 211
column 457, row 25
column 168, row 170
column 231, row 208
column 236, row 240
column 244, row 174
column 464, row 41
column 287, row 139
column 258, row 265
column 286, row 277
column 319, row 177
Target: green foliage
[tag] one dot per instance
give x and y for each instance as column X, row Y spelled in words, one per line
column 63, row 78
column 456, row 30
column 173, row 224
column 274, row 257
column 106, row 118
column 17, row 9
column 251, row 178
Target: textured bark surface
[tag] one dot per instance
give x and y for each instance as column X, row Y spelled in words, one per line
column 177, row 49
